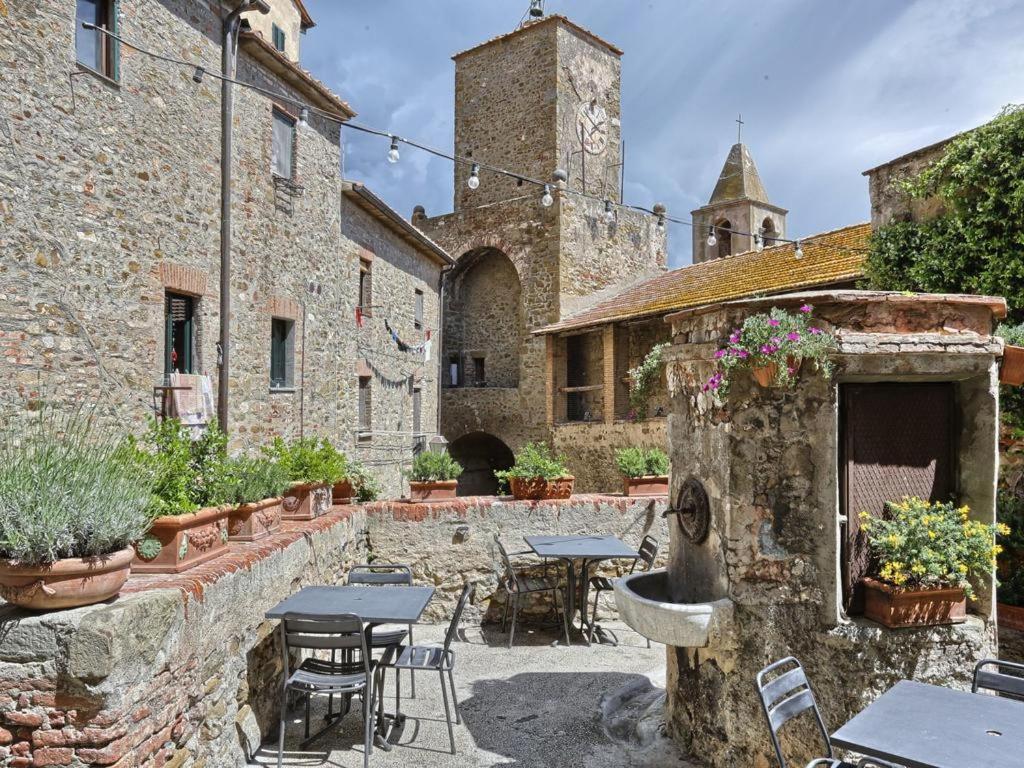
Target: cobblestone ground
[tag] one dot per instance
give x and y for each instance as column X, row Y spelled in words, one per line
column 533, row 706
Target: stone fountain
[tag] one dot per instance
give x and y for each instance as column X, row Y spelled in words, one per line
column 766, row 486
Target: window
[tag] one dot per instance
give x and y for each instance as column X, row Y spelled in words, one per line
column 282, row 353
column 479, row 374
column 279, row 38
column 365, row 286
column 179, row 333
column 365, row 409
column 93, row 48
column 282, row 150
column 768, row 234
column 418, row 312
column 419, row 440
column 453, row 370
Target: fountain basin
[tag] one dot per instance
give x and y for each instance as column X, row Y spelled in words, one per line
column 645, row 604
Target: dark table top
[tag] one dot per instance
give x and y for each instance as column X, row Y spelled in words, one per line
column 582, row 547
column 374, row 605
column 926, row 726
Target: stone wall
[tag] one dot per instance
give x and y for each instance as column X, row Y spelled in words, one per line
column 590, row 449
column 888, row 202
column 450, row 543
column 285, row 14
column 178, row 671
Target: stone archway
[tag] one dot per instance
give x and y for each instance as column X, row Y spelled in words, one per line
column 480, row 455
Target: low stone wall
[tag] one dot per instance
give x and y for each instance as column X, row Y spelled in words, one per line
column 180, row 670
column 590, row 447
column 450, row 543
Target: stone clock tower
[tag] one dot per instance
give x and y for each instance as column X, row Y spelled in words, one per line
column 541, row 98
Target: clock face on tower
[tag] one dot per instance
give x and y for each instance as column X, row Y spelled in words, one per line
column 592, row 127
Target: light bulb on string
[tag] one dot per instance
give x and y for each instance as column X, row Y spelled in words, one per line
column 712, row 240
column 609, row 212
column 393, row 153
column 758, row 243
column 661, row 221
column 474, row 177
column 799, row 251
column 546, row 199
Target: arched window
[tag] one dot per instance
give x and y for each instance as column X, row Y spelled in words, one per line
column 769, row 234
column 723, row 233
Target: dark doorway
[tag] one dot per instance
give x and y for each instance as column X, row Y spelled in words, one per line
column 480, row 455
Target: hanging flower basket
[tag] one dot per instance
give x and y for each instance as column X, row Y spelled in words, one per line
column 1011, row 370
column 767, row 375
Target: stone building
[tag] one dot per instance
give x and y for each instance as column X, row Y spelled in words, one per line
column 110, row 209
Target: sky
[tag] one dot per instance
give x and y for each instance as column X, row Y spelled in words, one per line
column 826, row 88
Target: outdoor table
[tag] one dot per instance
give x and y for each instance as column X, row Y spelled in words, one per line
column 374, row 605
column 927, row 726
column 587, row 549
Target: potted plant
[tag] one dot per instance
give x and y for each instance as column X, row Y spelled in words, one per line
column 188, row 515
column 773, row 345
column 255, row 486
column 72, row 501
column 313, row 466
column 924, row 556
column 433, row 477
column 1010, row 595
column 1011, row 370
column 538, row 474
column 644, row 472
column 642, row 379
column 365, row 486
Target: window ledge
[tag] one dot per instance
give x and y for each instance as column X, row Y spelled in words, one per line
column 283, row 390
column 107, row 79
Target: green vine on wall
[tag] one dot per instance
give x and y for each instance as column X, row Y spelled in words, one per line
column 643, row 379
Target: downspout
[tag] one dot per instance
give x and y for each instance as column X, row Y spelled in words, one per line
column 229, row 55
column 440, row 338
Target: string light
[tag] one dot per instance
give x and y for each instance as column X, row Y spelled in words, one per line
column 394, row 156
column 758, row 242
column 661, row 221
column 303, row 117
column 474, row 176
column 799, row 251
column 609, row 212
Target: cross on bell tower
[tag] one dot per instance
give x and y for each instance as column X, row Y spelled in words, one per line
column 739, row 129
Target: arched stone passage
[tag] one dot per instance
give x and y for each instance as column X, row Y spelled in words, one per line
column 485, row 332
column 480, row 455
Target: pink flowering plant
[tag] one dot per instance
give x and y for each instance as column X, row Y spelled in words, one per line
column 778, row 337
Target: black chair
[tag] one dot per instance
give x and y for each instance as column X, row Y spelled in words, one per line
column 788, row 695
column 518, row 584
column 319, row 677
column 385, row 574
column 430, row 658
column 648, row 553
column 1010, row 686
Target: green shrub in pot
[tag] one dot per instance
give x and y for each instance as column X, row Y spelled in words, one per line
column 535, row 461
column 634, row 461
column 249, row 480
column 309, row 460
column 432, row 467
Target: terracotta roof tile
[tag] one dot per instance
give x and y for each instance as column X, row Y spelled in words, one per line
column 547, row 19
column 829, row 258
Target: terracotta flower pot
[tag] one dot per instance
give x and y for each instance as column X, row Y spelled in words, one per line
column 765, row 374
column 1010, row 616
column 648, row 485
column 343, row 492
column 895, row 608
column 537, row 488
column 251, row 522
column 178, row 542
column 306, row 501
column 1011, row 371
column 439, row 490
column 560, row 487
column 66, row 583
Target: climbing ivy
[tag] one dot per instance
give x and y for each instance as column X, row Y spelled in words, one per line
column 643, row 378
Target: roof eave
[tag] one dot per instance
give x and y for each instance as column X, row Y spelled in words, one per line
column 361, row 195
column 556, row 17
column 306, row 20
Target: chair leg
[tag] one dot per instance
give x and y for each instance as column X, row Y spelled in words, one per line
column 455, row 699
column 565, row 614
column 398, row 690
column 308, row 697
column 515, row 619
column 280, row 730
column 504, row 615
column 447, row 712
column 367, row 722
column 412, row 673
column 593, row 616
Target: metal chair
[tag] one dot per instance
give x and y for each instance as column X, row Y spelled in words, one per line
column 424, row 658
column 319, row 677
column 518, row 584
column 385, row 574
column 647, row 552
column 1010, row 686
column 788, row 695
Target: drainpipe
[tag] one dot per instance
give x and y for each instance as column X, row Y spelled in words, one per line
column 229, row 54
column 440, row 338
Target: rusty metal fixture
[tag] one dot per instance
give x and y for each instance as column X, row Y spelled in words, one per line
column 692, row 510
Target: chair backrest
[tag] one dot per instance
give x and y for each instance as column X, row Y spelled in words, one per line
column 786, row 695
column 316, row 632
column 380, row 573
column 648, row 553
column 453, row 626
column 510, row 571
column 995, row 679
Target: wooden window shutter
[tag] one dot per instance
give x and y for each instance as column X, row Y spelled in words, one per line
column 365, row 406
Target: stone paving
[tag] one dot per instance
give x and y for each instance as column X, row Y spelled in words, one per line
column 535, row 705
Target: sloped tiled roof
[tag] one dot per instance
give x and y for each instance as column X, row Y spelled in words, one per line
column 556, row 17
column 739, row 178
column 829, row 258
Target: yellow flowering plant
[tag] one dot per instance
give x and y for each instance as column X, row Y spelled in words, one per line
column 920, row 545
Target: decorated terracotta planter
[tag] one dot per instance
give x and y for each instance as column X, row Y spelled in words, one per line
column 342, row 492
column 306, row 501
column 1010, row 616
column 1011, row 371
column 896, row 608
column 176, row 543
column 537, row 488
column 648, row 485
column 439, row 490
column 251, row 522
column 765, row 374
column 66, row 583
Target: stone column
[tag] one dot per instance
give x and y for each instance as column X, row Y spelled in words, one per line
column 608, row 347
